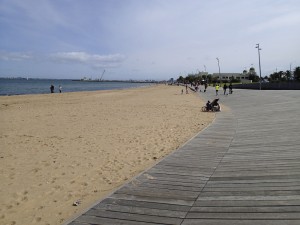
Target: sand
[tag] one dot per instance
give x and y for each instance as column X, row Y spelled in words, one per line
column 60, row 148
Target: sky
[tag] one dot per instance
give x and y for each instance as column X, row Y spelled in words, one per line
column 146, row 39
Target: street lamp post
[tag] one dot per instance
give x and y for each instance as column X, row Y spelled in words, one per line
column 258, row 49
column 291, row 75
column 219, row 68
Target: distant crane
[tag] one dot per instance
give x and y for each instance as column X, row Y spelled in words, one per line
column 102, row 75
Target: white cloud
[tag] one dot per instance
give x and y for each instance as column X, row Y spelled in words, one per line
column 14, row 56
column 94, row 60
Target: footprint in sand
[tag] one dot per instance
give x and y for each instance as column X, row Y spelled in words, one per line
column 53, row 180
column 107, row 180
column 58, row 187
column 85, row 184
column 35, row 170
column 70, row 196
column 12, row 176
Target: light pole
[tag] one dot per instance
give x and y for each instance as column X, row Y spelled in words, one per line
column 219, row 68
column 258, row 49
column 291, row 76
column 204, row 68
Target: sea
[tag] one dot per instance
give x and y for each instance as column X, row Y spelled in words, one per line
column 42, row 86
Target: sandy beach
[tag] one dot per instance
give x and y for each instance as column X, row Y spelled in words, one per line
column 60, row 148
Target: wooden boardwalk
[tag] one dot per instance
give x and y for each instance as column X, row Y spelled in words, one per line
column 243, row 169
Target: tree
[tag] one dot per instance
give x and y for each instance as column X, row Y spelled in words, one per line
column 209, row 78
column 180, row 79
column 281, row 75
column 275, row 76
column 288, row 75
column 297, row 73
column 215, row 80
column 253, row 77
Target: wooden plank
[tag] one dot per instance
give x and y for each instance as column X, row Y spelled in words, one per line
column 165, row 199
column 247, row 209
column 252, row 193
column 239, row 222
column 257, row 187
column 173, row 182
column 144, row 204
column 141, row 210
column 245, row 216
column 254, row 182
column 256, row 177
column 172, row 186
column 93, row 220
column 178, row 176
column 162, row 193
column 132, row 217
column 250, row 198
column 244, row 203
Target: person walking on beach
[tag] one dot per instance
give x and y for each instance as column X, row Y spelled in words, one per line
column 60, row 88
column 217, row 89
column 52, row 88
column 205, row 86
column 225, row 88
column 230, row 88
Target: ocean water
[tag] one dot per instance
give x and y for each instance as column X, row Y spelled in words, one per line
column 42, row 86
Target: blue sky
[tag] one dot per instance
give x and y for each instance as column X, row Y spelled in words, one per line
column 146, row 39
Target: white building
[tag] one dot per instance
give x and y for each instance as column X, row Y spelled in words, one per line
column 244, row 77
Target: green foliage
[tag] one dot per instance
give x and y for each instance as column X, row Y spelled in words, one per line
column 194, row 79
column 235, row 80
column 180, row 79
column 209, row 78
column 253, row 77
column 282, row 76
column 297, row 73
column 191, row 78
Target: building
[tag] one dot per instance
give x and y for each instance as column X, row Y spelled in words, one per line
column 202, row 74
column 243, row 77
column 228, row 76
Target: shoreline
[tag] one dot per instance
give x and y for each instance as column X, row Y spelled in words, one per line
column 83, row 145
column 84, row 92
column 11, row 87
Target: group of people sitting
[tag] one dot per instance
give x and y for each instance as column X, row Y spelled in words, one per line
column 213, row 106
